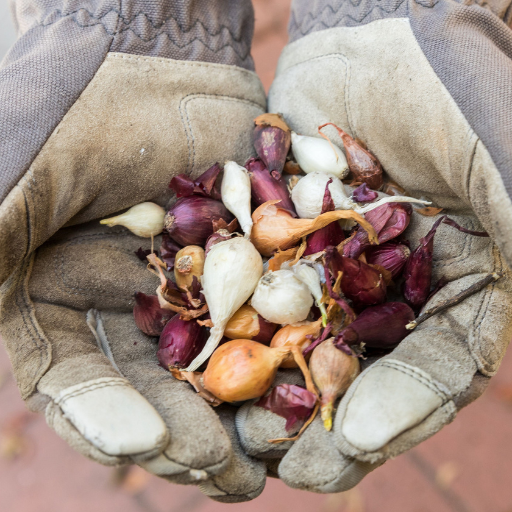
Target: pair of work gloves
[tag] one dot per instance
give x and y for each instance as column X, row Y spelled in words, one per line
column 102, row 102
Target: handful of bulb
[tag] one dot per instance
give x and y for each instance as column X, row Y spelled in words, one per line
column 285, row 262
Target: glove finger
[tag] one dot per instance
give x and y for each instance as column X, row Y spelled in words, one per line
column 60, row 371
column 199, row 446
column 412, row 393
column 245, row 477
column 255, row 425
column 314, row 463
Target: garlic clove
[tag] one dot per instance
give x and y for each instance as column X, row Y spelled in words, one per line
column 236, row 194
column 144, row 220
column 317, row 154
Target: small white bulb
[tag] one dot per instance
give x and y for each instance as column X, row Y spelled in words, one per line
column 317, row 154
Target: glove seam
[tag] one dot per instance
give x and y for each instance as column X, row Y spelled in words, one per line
column 106, row 382
column 419, row 376
column 59, row 15
column 22, row 300
column 485, row 367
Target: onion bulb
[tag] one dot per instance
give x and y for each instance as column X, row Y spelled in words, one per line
column 242, row 369
column 189, row 262
column 236, row 194
column 308, row 195
column 333, row 371
column 247, row 324
column 281, row 298
column 144, row 220
column 231, row 272
column 274, row 228
column 316, row 154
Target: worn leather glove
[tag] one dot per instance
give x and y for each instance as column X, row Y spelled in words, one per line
column 426, row 85
column 101, row 103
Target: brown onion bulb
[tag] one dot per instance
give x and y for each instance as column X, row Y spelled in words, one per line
column 274, row 228
column 247, row 324
column 189, row 262
column 243, row 369
column 333, row 371
column 296, row 336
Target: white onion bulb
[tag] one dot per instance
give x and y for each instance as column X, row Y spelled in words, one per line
column 317, row 154
column 308, row 195
column 281, row 298
column 236, row 194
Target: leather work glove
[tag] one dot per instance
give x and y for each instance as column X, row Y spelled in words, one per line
column 101, row 103
column 426, row 85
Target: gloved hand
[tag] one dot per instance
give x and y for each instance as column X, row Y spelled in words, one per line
column 426, row 85
column 101, row 104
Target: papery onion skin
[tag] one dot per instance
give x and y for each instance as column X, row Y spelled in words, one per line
column 241, row 370
column 293, row 403
column 180, row 342
column 381, row 326
column 281, row 298
column 266, row 188
column 149, row 317
column 363, row 194
column 388, row 220
column 274, row 228
column 168, row 250
column 332, row 234
column 392, row 256
column 333, row 372
column 189, row 221
column 297, row 335
column 246, row 323
column 204, row 185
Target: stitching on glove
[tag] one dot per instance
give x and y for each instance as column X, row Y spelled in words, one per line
column 313, row 20
column 172, row 62
column 24, row 307
column 188, row 128
column 59, row 14
column 420, row 376
column 105, row 382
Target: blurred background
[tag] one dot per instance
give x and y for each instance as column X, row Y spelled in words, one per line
column 467, row 467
